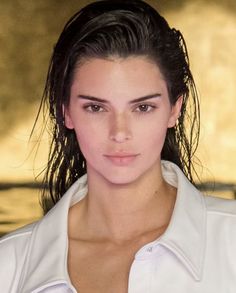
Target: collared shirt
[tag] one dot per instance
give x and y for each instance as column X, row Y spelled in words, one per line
column 196, row 253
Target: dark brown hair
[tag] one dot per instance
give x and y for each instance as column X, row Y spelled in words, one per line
column 121, row 28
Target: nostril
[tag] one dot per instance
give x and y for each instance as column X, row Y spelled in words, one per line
column 120, row 136
column 120, row 128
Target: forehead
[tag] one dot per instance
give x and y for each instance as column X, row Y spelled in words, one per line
column 131, row 76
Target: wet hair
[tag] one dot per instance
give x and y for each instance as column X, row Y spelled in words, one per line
column 111, row 28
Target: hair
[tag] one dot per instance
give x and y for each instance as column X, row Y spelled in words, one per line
column 105, row 29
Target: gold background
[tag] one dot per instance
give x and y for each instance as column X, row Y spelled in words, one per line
column 28, row 31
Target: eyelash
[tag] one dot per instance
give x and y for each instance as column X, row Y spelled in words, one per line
column 86, row 107
column 151, row 108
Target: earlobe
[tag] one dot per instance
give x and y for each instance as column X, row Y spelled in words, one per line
column 175, row 112
column 67, row 118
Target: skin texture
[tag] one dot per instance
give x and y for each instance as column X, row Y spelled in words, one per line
column 128, row 202
column 118, row 126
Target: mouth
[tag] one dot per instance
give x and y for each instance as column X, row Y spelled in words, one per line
column 121, row 158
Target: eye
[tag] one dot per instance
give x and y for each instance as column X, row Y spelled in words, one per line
column 145, row 108
column 93, row 108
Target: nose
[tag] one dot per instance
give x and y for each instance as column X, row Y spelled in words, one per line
column 120, row 128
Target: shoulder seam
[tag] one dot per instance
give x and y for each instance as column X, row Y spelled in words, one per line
column 14, row 236
column 230, row 214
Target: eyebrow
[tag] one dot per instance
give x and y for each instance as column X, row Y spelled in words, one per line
column 95, row 99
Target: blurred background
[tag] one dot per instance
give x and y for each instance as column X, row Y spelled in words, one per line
column 28, row 32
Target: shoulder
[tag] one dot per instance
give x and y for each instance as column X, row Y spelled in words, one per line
column 16, row 237
column 221, row 221
column 220, row 206
column 13, row 251
column 15, row 241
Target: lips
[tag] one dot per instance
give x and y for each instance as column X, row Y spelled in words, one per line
column 121, row 158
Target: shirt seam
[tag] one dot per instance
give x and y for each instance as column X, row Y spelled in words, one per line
column 50, row 284
column 10, row 237
column 229, row 214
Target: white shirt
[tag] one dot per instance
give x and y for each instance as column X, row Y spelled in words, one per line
column 197, row 252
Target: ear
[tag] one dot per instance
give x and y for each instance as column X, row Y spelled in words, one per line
column 67, row 117
column 175, row 112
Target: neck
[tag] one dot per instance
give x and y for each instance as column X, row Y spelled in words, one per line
column 123, row 212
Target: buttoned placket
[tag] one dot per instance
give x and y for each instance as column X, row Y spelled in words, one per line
column 143, row 268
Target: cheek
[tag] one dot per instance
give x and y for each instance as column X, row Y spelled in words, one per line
column 153, row 134
column 90, row 139
column 153, row 143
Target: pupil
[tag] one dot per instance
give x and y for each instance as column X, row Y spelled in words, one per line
column 96, row 108
column 144, row 107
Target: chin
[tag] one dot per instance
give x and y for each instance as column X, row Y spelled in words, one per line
column 121, row 179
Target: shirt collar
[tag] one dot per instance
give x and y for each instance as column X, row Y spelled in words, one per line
column 185, row 236
column 186, row 232
column 46, row 263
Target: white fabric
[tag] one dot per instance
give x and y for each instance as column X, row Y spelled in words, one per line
column 197, row 252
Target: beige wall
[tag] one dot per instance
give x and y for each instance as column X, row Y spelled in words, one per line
column 210, row 31
column 27, row 33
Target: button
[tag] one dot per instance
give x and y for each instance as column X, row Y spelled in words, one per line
column 149, row 249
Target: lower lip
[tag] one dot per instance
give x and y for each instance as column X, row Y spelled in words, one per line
column 122, row 160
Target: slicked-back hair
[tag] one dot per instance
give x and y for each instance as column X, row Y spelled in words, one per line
column 116, row 28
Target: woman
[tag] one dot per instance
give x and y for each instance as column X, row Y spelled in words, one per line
column 122, row 214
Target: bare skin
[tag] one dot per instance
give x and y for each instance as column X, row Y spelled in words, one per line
column 101, row 252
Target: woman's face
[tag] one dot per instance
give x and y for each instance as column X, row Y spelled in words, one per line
column 120, row 111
